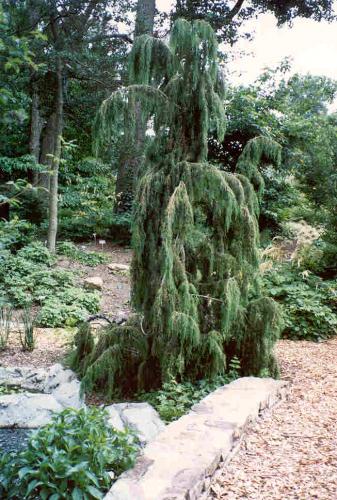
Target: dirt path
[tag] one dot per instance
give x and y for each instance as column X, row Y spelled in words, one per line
column 291, row 452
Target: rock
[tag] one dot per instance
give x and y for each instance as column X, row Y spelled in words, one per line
column 117, row 268
column 27, row 410
column 114, row 418
column 180, row 461
column 94, row 283
column 49, row 390
column 142, row 418
column 29, row 379
column 56, row 376
column 69, row 395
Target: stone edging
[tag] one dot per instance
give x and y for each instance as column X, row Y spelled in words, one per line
column 180, row 462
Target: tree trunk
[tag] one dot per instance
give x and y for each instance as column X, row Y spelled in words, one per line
column 53, row 191
column 36, row 124
column 47, row 150
column 129, row 165
column 145, row 17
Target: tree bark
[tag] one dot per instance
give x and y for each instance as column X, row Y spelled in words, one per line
column 36, row 124
column 47, row 150
column 53, row 191
column 129, row 164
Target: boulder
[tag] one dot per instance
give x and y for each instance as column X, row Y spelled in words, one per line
column 44, row 391
column 27, row 410
column 114, row 418
column 142, row 418
column 56, row 376
column 30, row 379
column 117, row 268
column 69, row 395
column 93, row 283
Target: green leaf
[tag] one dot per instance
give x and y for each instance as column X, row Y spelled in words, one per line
column 94, row 492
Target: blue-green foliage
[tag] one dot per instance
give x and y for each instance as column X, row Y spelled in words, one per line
column 68, row 458
column 309, row 303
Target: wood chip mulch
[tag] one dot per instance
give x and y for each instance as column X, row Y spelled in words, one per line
column 291, row 451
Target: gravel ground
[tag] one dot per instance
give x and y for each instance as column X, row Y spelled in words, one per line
column 291, row 451
column 13, row 439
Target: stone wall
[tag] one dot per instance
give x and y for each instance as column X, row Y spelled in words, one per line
column 180, row 462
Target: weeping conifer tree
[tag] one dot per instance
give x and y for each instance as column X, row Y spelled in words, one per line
column 195, row 272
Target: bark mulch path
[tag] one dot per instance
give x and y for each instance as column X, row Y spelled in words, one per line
column 291, row 451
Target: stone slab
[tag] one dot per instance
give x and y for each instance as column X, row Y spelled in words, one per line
column 27, row 410
column 43, row 391
column 179, row 462
column 142, row 418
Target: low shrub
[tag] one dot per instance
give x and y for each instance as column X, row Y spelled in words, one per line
column 69, row 307
column 38, row 253
column 175, row 399
column 15, row 233
column 70, row 250
column 69, row 458
column 28, row 278
column 309, row 303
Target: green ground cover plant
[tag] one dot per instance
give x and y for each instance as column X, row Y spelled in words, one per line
column 30, row 277
column 175, row 399
column 70, row 458
column 309, row 303
column 92, row 259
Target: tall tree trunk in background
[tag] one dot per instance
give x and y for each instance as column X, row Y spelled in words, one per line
column 145, row 17
column 47, row 150
column 53, row 191
column 36, row 124
column 131, row 156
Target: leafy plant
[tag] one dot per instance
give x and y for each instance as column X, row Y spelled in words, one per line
column 6, row 314
column 69, row 307
column 38, row 253
column 28, row 278
column 15, row 233
column 27, row 336
column 69, row 458
column 309, row 303
column 70, row 250
column 175, row 399
column 86, row 201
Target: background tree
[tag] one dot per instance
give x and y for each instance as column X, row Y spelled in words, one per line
column 75, row 44
column 132, row 147
column 227, row 17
